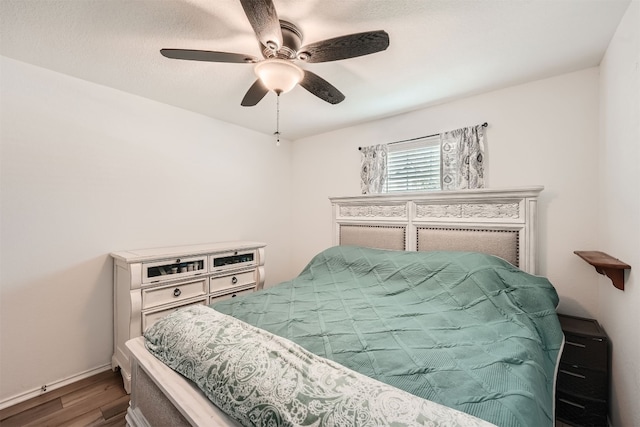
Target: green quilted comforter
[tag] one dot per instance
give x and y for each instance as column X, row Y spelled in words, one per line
column 466, row 330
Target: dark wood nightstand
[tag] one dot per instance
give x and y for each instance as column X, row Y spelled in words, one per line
column 582, row 390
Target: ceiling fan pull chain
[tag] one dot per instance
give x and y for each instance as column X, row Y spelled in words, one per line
column 277, row 132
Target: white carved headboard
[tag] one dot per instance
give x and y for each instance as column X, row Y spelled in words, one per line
column 501, row 222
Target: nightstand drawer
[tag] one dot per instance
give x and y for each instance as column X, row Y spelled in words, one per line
column 155, row 297
column 588, row 352
column 581, row 411
column 583, row 381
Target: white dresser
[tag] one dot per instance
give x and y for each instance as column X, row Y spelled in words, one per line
column 151, row 283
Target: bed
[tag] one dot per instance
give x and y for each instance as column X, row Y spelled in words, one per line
column 410, row 319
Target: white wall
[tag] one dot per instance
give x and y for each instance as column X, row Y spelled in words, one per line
column 619, row 213
column 540, row 133
column 86, row 170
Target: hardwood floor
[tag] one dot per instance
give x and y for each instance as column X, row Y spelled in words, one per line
column 99, row 400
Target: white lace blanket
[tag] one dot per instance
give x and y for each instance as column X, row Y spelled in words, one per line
column 261, row 379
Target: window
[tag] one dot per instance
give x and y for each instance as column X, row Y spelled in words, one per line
column 414, row 165
column 452, row 160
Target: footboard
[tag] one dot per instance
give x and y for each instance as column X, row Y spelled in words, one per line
column 160, row 396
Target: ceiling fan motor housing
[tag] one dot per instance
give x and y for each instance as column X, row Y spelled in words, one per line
column 291, row 42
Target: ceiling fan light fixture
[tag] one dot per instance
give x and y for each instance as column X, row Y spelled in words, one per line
column 279, row 75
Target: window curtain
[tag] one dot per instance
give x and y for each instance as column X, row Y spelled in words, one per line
column 373, row 168
column 463, row 158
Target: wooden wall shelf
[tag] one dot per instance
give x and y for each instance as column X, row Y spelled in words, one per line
column 605, row 264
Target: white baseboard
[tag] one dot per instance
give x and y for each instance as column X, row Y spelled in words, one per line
column 19, row 398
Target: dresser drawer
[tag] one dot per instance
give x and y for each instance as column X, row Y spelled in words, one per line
column 172, row 269
column 587, row 352
column 583, row 381
column 231, row 295
column 156, row 297
column 151, row 317
column 231, row 281
column 577, row 410
column 233, row 260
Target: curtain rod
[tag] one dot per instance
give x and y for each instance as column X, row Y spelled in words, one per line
column 484, row 125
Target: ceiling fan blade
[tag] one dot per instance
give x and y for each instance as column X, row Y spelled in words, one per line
column 264, row 20
column 209, row 56
column 321, row 88
column 256, row 92
column 344, row 47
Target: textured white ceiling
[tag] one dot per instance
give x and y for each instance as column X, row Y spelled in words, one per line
column 439, row 50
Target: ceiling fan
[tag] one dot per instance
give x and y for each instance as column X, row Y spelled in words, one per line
column 281, row 47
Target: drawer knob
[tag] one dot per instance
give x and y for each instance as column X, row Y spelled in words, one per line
column 234, row 280
column 176, row 292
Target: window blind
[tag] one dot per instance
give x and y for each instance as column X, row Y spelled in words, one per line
column 414, row 165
